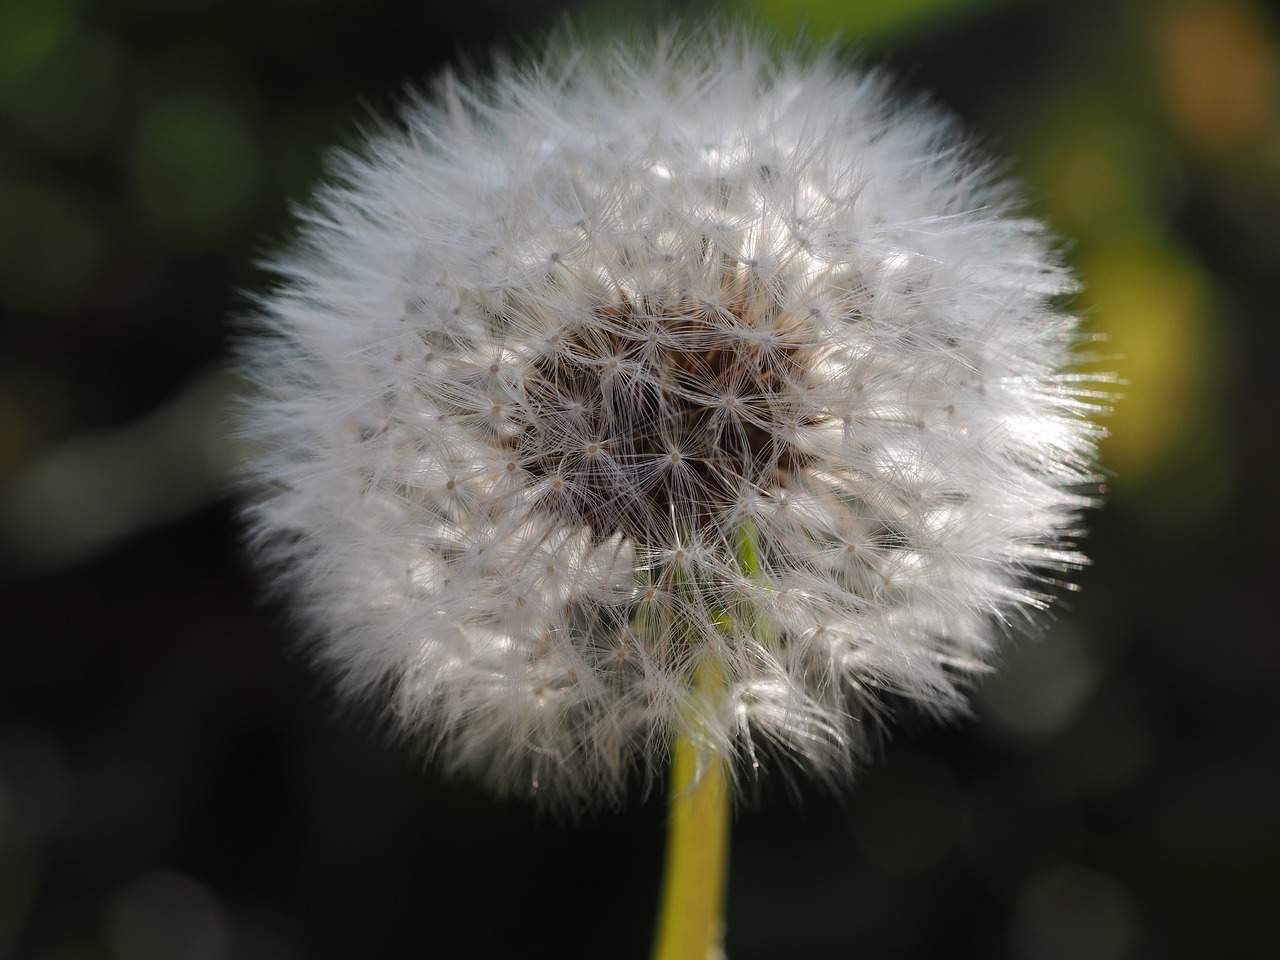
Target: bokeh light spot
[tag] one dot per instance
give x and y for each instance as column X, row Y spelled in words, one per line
column 1221, row 73
column 1151, row 306
column 1045, row 683
column 29, row 29
column 1071, row 912
column 195, row 169
column 167, row 916
column 71, row 99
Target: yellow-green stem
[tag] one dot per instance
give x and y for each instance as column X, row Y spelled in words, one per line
column 691, row 917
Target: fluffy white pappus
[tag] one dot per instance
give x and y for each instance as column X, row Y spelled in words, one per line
column 682, row 388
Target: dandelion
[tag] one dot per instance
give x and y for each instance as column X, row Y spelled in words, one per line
column 672, row 395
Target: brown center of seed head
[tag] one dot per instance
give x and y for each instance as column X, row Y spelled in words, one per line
column 681, row 410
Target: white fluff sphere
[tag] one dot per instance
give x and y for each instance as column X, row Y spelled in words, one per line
column 663, row 389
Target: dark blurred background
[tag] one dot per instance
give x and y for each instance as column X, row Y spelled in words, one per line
column 174, row 783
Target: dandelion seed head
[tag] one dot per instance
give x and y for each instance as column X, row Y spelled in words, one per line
column 629, row 364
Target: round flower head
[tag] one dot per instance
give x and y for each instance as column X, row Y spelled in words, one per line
column 671, row 389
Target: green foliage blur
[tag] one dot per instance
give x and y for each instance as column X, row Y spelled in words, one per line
column 173, row 782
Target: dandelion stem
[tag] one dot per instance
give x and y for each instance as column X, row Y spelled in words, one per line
column 691, row 918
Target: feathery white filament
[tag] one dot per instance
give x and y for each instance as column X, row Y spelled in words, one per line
column 545, row 358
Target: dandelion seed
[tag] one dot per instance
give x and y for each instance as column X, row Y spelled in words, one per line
column 733, row 366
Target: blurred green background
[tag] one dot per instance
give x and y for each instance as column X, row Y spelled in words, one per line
column 174, row 784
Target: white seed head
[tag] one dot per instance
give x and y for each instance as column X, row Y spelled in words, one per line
column 666, row 389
